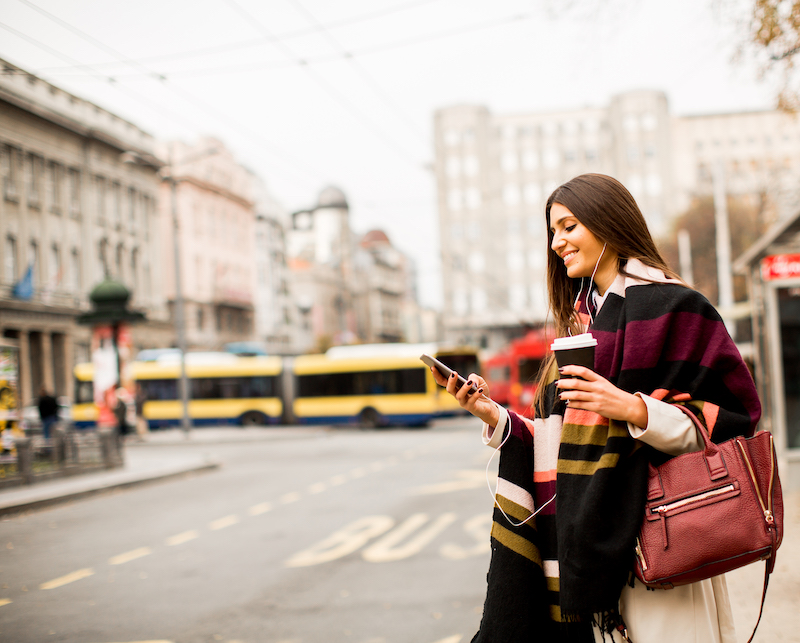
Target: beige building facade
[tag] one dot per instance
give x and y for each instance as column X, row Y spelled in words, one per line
column 213, row 216
column 72, row 212
column 495, row 172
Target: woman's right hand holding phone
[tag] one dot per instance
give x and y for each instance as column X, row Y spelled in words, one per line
column 476, row 402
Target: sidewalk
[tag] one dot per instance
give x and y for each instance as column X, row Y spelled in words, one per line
column 144, row 464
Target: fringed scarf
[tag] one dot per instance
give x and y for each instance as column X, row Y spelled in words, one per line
column 551, row 577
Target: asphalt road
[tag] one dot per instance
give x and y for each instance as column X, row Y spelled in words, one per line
column 327, row 536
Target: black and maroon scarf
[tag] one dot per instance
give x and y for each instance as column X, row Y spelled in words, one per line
column 663, row 339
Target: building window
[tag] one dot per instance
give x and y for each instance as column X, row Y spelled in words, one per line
column 649, row 122
column 530, row 160
column 509, row 161
column 532, row 193
column 200, row 318
column 453, row 167
column 517, row 297
column 471, row 165
column 131, row 207
column 452, row 137
column 9, row 160
column 100, row 194
column 653, row 185
column 511, row 194
column 35, row 164
column 74, row 191
column 34, row 260
column 75, row 271
column 119, row 262
column 633, row 153
column 102, row 259
column 116, row 204
column 515, row 261
column 54, row 187
column 551, row 158
column 476, row 262
column 54, row 269
column 10, row 269
column 473, row 198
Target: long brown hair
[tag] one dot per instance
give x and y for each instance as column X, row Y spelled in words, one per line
column 610, row 213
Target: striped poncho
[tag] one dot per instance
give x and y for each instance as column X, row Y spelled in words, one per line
column 551, row 577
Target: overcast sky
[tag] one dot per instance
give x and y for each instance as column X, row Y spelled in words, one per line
column 310, row 93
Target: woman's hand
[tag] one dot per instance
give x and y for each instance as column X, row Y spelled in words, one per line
column 477, row 403
column 595, row 393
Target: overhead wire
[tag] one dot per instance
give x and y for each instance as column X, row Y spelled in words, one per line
column 253, row 42
column 369, row 81
column 269, row 146
column 361, row 118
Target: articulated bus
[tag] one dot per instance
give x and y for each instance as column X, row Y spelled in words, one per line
column 369, row 385
column 224, row 389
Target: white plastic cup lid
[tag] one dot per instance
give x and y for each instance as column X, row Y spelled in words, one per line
column 585, row 340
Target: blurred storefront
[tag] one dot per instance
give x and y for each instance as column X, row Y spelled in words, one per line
column 772, row 268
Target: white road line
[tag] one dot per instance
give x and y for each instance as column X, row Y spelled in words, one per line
column 317, row 487
column 261, row 508
column 360, row 472
column 128, row 556
column 450, row 639
column 335, row 481
column 183, row 537
column 289, row 498
column 69, row 578
column 221, row 523
column 4, row 601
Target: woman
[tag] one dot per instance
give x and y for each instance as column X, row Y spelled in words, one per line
column 580, row 467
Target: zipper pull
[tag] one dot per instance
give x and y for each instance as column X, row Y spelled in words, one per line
column 769, row 517
column 662, row 513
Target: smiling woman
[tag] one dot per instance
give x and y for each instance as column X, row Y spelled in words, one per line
column 595, row 432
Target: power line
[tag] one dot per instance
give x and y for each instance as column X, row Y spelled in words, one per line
column 196, row 101
column 356, row 53
column 365, row 76
column 361, row 118
column 253, row 42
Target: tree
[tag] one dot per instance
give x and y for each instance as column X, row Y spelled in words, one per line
column 746, row 225
column 775, row 34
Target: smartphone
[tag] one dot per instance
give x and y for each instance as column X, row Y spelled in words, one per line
column 445, row 371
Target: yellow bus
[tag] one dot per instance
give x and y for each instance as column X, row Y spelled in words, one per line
column 224, row 389
column 370, row 385
column 375, row 385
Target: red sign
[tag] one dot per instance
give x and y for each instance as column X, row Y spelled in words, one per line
column 780, row 267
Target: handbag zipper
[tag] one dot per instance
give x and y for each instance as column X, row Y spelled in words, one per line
column 662, row 510
column 770, row 519
column 640, row 554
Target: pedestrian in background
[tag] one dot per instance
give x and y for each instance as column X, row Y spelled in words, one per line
column 141, row 422
column 48, row 412
column 573, row 481
column 121, row 413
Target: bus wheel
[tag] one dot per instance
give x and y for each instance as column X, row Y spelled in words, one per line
column 369, row 418
column 253, row 418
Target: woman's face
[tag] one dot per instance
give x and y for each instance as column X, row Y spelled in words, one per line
column 579, row 249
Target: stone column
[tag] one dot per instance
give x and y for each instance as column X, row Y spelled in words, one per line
column 48, row 380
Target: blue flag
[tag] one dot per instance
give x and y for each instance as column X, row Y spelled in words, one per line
column 23, row 289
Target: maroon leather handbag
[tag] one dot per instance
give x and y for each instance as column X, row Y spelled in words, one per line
column 711, row 512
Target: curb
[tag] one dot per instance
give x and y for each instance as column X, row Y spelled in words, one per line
column 41, row 503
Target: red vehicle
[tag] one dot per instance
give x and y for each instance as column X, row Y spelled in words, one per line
column 512, row 374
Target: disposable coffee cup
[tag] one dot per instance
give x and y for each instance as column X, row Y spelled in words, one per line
column 577, row 350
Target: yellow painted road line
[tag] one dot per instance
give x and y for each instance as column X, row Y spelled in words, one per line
column 184, row 537
column 69, row 578
column 128, row 556
column 221, row 523
column 290, row 498
column 260, row 508
column 4, row 601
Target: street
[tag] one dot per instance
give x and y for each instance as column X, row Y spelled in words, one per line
column 310, row 536
column 341, row 535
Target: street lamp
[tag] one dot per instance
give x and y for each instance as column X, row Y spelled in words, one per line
column 180, row 327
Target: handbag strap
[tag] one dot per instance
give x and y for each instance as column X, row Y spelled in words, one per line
column 763, row 598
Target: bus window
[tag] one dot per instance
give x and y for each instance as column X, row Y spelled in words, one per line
column 389, row 382
column 160, row 389
column 529, row 370
column 84, row 392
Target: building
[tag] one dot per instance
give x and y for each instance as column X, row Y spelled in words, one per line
column 346, row 289
column 495, row 172
column 72, row 212
column 772, row 268
column 274, row 311
column 214, row 218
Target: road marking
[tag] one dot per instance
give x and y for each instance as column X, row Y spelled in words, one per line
column 389, row 548
column 466, row 480
column 184, row 537
column 318, row 487
column 69, row 578
column 450, row 639
column 128, row 556
column 342, row 542
column 479, row 527
column 4, row 601
column 260, row 508
column 360, row 472
column 289, row 498
column 221, row 523
column 335, row 481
